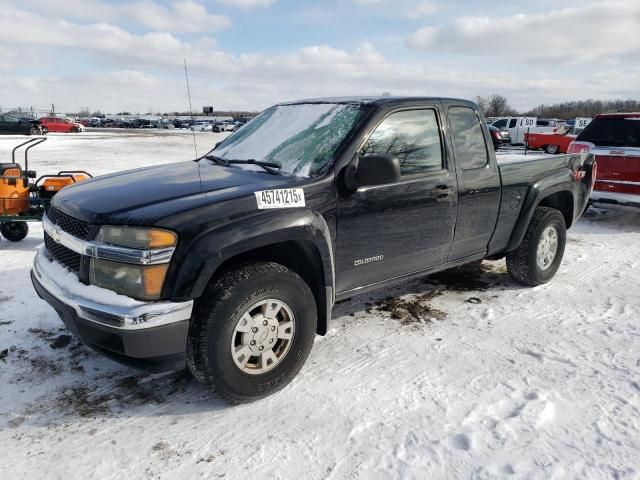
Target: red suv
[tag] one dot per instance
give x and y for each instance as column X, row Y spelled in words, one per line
column 64, row 125
column 614, row 139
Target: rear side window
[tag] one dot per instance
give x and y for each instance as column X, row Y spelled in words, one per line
column 500, row 123
column 513, row 122
column 468, row 138
column 413, row 136
column 612, row 132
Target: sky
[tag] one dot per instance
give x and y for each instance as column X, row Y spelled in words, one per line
column 248, row 54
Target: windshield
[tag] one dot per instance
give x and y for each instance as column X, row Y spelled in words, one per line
column 612, row 132
column 301, row 138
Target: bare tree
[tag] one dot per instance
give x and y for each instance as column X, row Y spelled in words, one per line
column 584, row 108
column 483, row 104
column 498, row 106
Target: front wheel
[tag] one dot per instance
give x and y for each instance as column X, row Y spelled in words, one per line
column 252, row 331
column 540, row 253
column 14, row 231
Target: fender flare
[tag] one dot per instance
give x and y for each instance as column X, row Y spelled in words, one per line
column 209, row 250
column 537, row 192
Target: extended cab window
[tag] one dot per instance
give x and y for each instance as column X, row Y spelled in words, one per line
column 413, row 136
column 513, row 122
column 468, row 138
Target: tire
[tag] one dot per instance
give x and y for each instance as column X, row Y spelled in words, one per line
column 35, row 131
column 552, row 149
column 14, row 231
column 524, row 263
column 226, row 304
column 74, row 130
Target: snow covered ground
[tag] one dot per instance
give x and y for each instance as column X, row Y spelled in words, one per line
column 462, row 375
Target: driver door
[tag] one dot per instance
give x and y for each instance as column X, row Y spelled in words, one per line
column 386, row 231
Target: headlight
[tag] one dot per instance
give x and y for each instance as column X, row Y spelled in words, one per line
column 137, row 237
column 143, row 282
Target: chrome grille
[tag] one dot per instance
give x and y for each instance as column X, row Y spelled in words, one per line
column 77, row 228
column 62, row 254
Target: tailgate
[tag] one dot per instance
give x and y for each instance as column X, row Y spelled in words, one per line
column 618, row 170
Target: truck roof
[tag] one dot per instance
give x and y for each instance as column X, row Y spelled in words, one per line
column 374, row 100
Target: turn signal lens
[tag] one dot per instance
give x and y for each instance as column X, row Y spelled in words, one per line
column 153, row 279
column 161, row 238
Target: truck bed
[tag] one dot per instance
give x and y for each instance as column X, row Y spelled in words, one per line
column 518, row 172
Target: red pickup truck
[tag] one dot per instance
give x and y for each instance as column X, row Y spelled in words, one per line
column 614, row 139
column 554, row 142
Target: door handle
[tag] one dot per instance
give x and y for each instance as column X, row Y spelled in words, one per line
column 442, row 192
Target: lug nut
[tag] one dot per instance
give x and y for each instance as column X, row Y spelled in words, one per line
column 261, row 348
column 253, row 342
column 265, row 323
column 254, row 329
column 273, row 329
column 271, row 341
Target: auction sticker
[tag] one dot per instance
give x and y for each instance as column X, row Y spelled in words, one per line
column 281, row 198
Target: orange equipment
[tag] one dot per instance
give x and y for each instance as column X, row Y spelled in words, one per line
column 21, row 199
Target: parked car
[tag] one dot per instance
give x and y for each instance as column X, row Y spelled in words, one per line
column 499, row 137
column 519, row 126
column 201, row 127
column 231, row 264
column 555, row 142
column 225, row 126
column 61, row 125
column 614, row 139
column 10, row 124
column 140, row 123
column 109, row 123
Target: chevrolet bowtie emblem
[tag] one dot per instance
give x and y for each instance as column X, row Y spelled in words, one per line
column 55, row 234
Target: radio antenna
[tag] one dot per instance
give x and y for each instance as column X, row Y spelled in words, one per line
column 186, row 76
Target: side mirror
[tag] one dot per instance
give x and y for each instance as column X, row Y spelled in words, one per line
column 375, row 170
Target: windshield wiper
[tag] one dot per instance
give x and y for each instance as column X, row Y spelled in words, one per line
column 218, row 160
column 268, row 166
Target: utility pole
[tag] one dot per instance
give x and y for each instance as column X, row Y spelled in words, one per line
column 53, row 109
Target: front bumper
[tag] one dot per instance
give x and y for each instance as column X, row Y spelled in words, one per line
column 147, row 335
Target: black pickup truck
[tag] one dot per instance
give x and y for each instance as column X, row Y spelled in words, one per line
column 231, row 263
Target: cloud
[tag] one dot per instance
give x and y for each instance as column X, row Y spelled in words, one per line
column 114, row 69
column 424, row 8
column 179, row 16
column 593, row 32
column 247, row 4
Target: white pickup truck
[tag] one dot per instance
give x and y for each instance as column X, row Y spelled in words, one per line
column 519, row 126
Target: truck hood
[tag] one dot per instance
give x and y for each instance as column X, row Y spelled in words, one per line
column 182, row 185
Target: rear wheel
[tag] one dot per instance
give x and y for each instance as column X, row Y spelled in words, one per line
column 252, row 331
column 552, row 149
column 540, row 253
column 35, row 131
column 14, row 231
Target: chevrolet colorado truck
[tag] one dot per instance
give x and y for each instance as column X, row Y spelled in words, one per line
column 230, row 264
